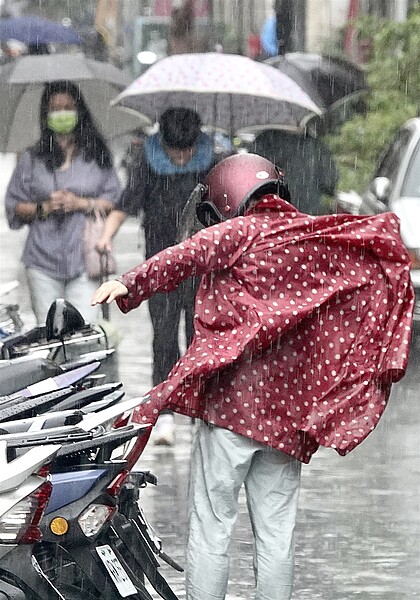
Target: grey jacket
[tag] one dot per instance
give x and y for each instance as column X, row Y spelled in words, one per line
column 55, row 246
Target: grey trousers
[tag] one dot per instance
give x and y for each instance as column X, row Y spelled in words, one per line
column 221, row 463
column 44, row 290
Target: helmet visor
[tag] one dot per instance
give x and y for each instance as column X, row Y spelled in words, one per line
column 208, row 214
column 189, row 223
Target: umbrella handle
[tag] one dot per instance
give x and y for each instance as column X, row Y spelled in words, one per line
column 103, row 262
column 231, row 116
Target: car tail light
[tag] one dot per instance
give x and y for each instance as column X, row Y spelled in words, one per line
column 20, row 523
column 94, row 518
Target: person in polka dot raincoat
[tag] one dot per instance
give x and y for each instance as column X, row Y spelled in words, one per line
column 302, row 325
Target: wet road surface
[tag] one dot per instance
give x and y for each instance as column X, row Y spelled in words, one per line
column 358, row 530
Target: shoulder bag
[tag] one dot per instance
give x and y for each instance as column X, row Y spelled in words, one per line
column 98, row 265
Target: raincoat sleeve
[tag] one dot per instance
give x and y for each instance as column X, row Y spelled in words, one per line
column 213, row 249
column 133, row 196
column 19, row 189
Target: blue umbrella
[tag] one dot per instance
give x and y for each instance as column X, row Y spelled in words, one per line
column 34, row 31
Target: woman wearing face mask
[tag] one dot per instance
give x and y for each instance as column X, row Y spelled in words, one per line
column 55, row 186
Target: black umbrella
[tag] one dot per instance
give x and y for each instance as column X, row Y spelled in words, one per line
column 336, row 85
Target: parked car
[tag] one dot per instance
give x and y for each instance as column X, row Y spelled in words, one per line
column 395, row 187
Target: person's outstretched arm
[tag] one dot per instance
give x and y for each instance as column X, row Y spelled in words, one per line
column 213, row 249
column 109, row 291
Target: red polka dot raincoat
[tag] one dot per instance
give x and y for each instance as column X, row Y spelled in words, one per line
column 302, row 324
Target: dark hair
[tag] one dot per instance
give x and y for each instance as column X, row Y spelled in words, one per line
column 87, row 138
column 180, row 127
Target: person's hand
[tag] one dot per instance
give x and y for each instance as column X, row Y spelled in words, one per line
column 55, row 202
column 103, row 246
column 108, row 291
column 65, row 201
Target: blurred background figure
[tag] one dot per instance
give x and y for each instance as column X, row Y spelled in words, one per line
column 254, row 47
column 56, row 184
column 183, row 34
column 268, row 36
column 163, row 171
column 308, row 166
column 284, row 25
column 11, row 49
column 276, row 32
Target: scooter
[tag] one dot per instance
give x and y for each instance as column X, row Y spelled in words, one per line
column 27, row 360
column 90, row 542
column 10, row 319
column 24, row 493
column 89, row 546
column 127, row 542
column 65, row 337
column 127, row 534
column 124, row 538
column 83, row 459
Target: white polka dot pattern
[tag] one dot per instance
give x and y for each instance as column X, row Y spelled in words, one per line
column 302, row 324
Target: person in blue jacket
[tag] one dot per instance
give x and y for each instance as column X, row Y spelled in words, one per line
column 277, row 30
column 165, row 169
column 268, row 36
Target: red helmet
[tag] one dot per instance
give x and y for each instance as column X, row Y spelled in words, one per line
column 231, row 184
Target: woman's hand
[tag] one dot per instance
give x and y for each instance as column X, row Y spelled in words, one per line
column 103, row 245
column 109, row 291
column 67, row 202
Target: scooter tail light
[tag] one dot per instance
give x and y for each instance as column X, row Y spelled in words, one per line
column 20, row 524
column 115, row 486
column 94, row 518
column 44, row 471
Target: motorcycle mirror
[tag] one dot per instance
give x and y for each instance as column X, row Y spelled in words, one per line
column 62, row 318
column 380, row 187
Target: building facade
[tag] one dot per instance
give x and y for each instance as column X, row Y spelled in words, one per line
column 316, row 22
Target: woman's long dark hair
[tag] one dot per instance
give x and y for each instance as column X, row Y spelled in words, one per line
column 88, row 140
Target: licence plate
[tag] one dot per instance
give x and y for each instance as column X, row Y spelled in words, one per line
column 116, row 571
